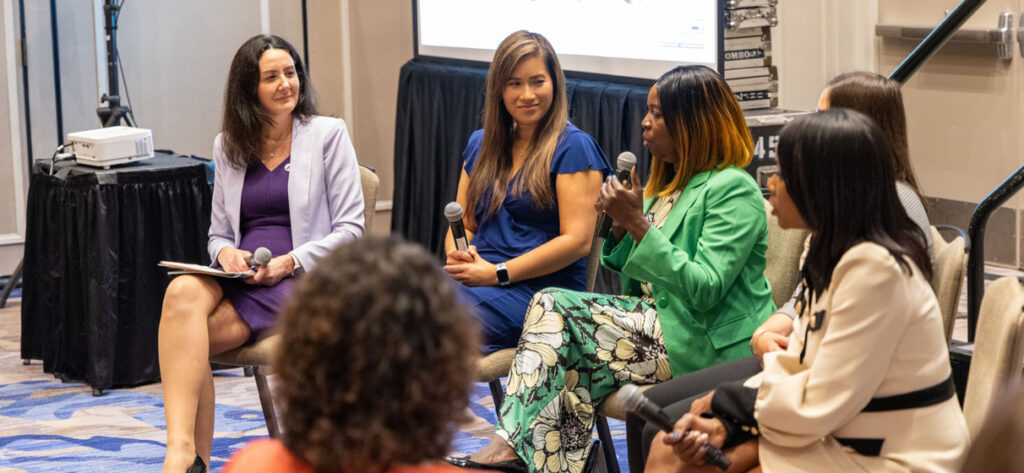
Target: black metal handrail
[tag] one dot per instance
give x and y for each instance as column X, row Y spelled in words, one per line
column 976, row 254
column 935, row 40
column 976, row 229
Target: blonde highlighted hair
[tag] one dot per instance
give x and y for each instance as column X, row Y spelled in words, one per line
column 493, row 169
column 706, row 125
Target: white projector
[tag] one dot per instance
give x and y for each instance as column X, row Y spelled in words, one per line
column 105, row 147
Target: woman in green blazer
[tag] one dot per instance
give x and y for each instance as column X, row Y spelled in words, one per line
column 692, row 260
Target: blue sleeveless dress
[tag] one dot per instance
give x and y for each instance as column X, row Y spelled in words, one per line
column 517, row 228
column 264, row 220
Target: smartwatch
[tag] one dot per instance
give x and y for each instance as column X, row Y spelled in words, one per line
column 503, row 279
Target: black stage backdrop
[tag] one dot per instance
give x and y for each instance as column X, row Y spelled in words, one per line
column 439, row 106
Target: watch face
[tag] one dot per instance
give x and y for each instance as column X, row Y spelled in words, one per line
column 503, row 278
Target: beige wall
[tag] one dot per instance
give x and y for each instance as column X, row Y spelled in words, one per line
column 964, row 119
column 12, row 161
column 379, row 37
column 176, row 56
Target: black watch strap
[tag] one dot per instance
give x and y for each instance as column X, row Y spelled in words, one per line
column 503, row 278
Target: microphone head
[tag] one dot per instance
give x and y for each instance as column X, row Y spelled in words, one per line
column 453, row 212
column 261, row 256
column 633, row 396
column 626, row 161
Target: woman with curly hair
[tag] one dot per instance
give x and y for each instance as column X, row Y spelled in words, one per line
column 692, row 260
column 374, row 368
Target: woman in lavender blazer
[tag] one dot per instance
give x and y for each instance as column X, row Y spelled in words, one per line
column 286, row 180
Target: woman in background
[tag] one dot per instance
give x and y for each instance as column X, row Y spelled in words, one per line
column 286, row 180
column 528, row 188
column 692, row 260
column 865, row 384
column 375, row 367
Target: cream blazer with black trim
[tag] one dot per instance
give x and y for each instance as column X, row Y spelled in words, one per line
column 881, row 335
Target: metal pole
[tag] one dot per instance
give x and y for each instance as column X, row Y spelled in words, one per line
column 56, row 72
column 935, row 39
column 976, row 235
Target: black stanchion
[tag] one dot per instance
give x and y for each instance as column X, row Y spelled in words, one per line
column 976, row 233
column 935, row 39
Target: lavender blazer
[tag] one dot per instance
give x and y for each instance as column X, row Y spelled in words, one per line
column 325, row 198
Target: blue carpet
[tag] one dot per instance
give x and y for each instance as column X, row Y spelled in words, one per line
column 130, row 438
column 480, row 403
column 129, row 434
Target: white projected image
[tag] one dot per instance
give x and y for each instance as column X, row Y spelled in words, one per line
column 639, row 38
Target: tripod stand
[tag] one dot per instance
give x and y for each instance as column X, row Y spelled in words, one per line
column 112, row 114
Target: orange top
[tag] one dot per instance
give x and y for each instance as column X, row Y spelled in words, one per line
column 269, row 455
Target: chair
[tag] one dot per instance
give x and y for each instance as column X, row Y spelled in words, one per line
column 257, row 356
column 783, row 259
column 948, row 277
column 998, row 349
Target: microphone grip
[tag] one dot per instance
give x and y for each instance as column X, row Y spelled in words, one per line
column 651, row 414
column 459, row 235
column 604, row 224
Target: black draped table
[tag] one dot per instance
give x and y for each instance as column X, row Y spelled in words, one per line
column 92, row 290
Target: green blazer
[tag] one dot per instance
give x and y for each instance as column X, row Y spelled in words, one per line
column 706, row 268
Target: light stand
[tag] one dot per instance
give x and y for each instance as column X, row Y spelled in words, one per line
column 112, row 114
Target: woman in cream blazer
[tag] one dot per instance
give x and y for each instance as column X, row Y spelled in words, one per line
column 865, row 383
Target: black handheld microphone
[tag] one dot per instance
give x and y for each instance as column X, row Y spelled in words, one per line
column 638, row 404
column 453, row 212
column 260, row 257
column 625, row 164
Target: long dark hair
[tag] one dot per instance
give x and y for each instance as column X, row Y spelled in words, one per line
column 705, row 122
column 839, row 173
column 493, row 169
column 244, row 116
column 879, row 98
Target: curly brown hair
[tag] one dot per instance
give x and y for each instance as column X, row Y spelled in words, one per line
column 376, row 359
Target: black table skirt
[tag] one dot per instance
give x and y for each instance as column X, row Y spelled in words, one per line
column 92, row 289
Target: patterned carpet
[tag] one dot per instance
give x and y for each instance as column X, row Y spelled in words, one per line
column 50, row 426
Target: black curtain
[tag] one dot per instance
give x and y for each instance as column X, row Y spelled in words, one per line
column 439, row 106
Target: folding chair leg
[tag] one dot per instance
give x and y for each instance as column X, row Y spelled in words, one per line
column 267, row 402
column 497, row 394
column 605, row 435
column 13, row 281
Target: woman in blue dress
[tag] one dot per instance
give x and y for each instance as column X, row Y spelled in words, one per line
column 529, row 184
column 286, row 180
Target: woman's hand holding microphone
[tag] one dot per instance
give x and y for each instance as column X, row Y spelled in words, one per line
column 624, row 205
column 240, row 261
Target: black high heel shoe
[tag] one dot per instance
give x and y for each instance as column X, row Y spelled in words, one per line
column 507, row 466
column 197, row 466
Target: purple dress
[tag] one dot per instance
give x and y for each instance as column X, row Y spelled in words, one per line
column 265, row 221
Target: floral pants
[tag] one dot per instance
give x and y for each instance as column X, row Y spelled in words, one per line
column 576, row 349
